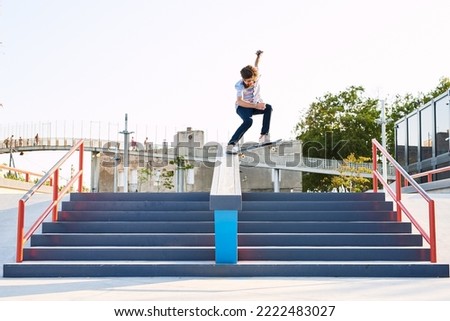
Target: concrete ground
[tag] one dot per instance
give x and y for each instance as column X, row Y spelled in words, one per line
column 220, row 289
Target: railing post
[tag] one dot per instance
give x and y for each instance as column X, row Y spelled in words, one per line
column 374, row 168
column 55, row 195
column 20, row 227
column 398, row 193
column 80, row 167
column 432, row 223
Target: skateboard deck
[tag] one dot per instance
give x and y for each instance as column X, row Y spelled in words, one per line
column 255, row 146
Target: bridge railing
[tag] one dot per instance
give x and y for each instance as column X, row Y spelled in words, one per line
column 53, row 173
column 401, row 175
column 286, row 158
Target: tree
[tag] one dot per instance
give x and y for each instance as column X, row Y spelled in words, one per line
column 443, row 86
column 336, row 126
column 144, row 175
column 167, row 178
column 350, row 179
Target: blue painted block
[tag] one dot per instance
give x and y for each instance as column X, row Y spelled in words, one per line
column 225, row 226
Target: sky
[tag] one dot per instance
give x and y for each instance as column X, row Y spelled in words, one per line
column 173, row 64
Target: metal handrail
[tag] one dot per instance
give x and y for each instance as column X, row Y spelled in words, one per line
column 397, row 196
column 429, row 174
column 22, row 237
column 27, row 173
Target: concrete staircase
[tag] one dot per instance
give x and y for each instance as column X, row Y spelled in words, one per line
column 280, row 234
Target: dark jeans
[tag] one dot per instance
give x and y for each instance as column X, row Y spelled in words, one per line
column 247, row 121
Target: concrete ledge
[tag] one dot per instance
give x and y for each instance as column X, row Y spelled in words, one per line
column 226, row 191
column 226, row 200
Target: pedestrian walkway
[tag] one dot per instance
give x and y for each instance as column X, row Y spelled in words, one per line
column 218, row 289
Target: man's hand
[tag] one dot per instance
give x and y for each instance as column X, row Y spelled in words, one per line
column 258, row 53
column 260, row 106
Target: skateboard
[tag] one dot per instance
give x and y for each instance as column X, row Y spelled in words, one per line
column 246, row 148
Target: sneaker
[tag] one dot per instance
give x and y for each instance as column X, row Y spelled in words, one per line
column 232, row 149
column 264, row 139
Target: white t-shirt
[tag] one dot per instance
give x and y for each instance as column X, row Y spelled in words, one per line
column 251, row 94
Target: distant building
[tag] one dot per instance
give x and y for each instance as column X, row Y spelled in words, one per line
column 422, row 137
column 152, row 171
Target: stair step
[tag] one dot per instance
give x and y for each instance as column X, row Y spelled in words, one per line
column 248, row 253
column 243, row 215
column 301, row 215
column 308, row 197
column 127, row 216
column 139, row 197
column 123, row 239
column 208, row 227
column 204, row 206
column 204, row 196
column 324, row 227
column 128, row 227
column 207, row 239
column 316, row 206
column 136, row 206
column 210, row 269
column 333, row 254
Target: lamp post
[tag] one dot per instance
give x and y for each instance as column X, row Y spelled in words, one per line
column 383, row 138
column 125, row 133
column 11, row 158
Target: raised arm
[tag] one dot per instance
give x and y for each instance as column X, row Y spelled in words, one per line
column 258, row 54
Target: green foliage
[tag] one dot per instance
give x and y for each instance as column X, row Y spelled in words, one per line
column 167, row 178
column 443, row 86
column 144, row 175
column 350, row 179
column 338, row 125
column 314, row 182
column 14, row 175
column 181, row 163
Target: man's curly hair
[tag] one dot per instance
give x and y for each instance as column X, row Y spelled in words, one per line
column 249, row 72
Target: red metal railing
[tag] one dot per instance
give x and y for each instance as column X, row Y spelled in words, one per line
column 28, row 174
column 22, row 237
column 397, row 196
column 429, row 174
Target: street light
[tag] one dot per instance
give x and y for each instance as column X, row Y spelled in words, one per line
column 382, row 121
column 11, row 159
column 125, row 133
